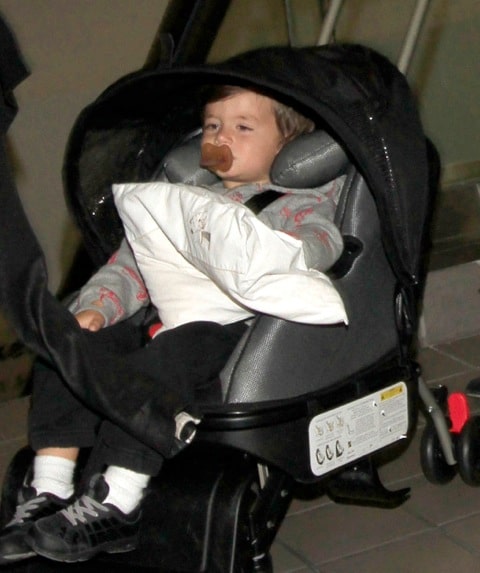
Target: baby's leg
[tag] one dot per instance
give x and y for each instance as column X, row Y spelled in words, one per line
column 58, row 426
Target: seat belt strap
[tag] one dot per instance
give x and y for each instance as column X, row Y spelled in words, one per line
column 259, row 202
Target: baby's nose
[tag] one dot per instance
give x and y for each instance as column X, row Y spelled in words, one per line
column 223, row 135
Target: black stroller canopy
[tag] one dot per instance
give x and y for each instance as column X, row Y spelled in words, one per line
column 352, row 91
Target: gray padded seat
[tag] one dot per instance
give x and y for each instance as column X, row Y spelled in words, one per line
column 277, row 359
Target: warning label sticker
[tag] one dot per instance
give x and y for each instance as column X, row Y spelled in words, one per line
column 342, row 435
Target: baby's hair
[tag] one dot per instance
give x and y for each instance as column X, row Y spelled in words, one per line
column 290, row 122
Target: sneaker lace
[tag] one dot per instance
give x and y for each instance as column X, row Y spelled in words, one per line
column 24, row 510
column 83, row 507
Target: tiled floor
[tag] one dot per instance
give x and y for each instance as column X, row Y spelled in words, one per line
column 437, row 530
column 455, row 230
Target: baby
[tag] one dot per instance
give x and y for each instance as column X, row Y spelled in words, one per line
column 246, row 129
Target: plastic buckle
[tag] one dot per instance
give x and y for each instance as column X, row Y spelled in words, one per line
column 153, row 329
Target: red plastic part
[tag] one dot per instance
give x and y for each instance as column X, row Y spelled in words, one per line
column 154, row 328
column 458, row 410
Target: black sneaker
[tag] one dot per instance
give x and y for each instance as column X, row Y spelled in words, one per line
column 30, row 507
column 85, row 528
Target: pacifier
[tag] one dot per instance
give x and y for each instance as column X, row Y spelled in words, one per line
column 216, row 157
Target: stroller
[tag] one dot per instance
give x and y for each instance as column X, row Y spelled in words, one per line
column 295, row 404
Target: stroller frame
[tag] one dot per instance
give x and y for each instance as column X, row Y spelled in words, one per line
column 233, row 496
column 253, row 402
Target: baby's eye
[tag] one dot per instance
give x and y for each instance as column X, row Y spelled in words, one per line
column 242, row 127
column 210, row 126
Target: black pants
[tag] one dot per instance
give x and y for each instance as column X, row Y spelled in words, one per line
column 178, row 361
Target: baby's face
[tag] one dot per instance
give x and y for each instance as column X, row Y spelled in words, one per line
column 245, row 122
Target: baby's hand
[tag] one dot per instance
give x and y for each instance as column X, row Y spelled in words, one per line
column 90, row 319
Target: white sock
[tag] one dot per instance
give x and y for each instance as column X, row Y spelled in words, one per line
column 126, row 487
column 53, row 474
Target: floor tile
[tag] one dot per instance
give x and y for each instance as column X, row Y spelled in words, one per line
column 454, row 254
column 466, row 532
column 400, row 470
column 437, row 365
column 307, row 498
column 474, row 404
column 442, row 504
column 455, row 220
column 13, row 418
column 284, row 561
column 336, row 531
column 467, row 350
column 429, row 552
column 451, row 305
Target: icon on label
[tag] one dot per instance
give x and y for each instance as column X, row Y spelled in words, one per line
column 339, row 449
column 320, row 457
column 328, row 452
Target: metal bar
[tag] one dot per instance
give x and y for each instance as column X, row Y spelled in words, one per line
column 289, row 19
column 438, row 419
column 411, row 37
column 186, row 32
column 329, row 22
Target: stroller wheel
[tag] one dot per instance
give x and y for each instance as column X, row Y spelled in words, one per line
column 432, row 459
column 468, row 452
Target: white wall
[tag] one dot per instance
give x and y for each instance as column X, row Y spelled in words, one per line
column 445, row 69
column 74, row 49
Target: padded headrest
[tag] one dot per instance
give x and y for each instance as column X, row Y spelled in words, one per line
column 310, row 160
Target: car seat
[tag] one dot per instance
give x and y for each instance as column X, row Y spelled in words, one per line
column 218, row 505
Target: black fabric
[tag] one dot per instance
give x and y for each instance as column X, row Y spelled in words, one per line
column 262, row 200
column 178, row 361
column 12, row 72
column 105, row 380
column 353, row 92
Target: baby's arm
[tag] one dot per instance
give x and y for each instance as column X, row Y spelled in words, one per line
column 90, row 319
column 115, row 292
column 309, row 218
